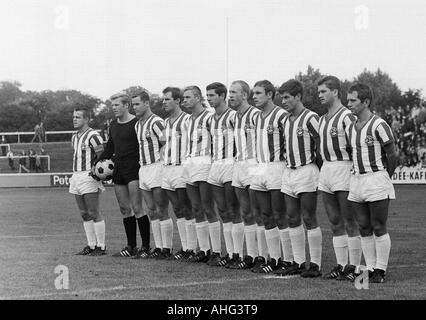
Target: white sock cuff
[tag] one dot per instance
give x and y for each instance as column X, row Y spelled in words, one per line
column 250, row 228
column 340, row 241
column 384, row 237
column 315, row 232
column 190, row 222
column 201, row 224
column 354, row 242
column 227, row 227
column 297, row 230
column 368, row 238
column 180, row 220
column 166, row 222
column 88, row 223
column 260, row 228
column 238, row 226
column 272, row 233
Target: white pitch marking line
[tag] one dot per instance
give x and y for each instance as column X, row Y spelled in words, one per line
column 41, row 236
column 121, row 288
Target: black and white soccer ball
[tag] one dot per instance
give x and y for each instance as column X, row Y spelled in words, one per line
column 104, row 169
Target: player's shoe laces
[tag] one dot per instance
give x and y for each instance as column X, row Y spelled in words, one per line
column 86, row 250
column 143, row 253
column 155, row 253
column 313, row 271
column 98, row 252
column 180, row 255
column 377, row 276
column 348, row 273
column 259, row 263
column 246, row 263
column 200, row 256
column 283, row 267
column 166, row 254
column 126, row 252
column 335, row 273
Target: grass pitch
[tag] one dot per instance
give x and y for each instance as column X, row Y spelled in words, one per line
column 41, row 229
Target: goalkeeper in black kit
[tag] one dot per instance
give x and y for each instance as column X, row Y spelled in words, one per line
column 123, row 148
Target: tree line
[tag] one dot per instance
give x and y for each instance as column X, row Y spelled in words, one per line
column 22, row 110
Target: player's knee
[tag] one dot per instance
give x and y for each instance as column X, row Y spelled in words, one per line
column 379, row 230
column 365, row 231
column 352, row 229
column 126, row 211
column 85, row 216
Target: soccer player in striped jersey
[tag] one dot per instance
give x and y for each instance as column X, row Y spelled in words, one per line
column 334, row 180
column 196, row 170
column 87, row 145
column 370, row 190
column 123, row 147
column 220, row 178
column 150, row 133
column 300, row 179
column 244, row 167
column 174, row 183
column 267, row 180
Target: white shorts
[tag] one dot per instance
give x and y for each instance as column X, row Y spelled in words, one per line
column 81, row 183
column 267, row 176
column 221, row 172
column 150, row 176
column 334, row 176
column 371, row 187
column 173, row 178
column 197, row 169
column 300, row 180
column 243, row 173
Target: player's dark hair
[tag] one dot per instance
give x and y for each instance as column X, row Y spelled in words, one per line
column 143, row 95
column 267, row 85
column 331, row 82
column 364, row 92
column 293, row 87
column 244, row 86
column 219, row 88
column 84, row 109
column 176, row 93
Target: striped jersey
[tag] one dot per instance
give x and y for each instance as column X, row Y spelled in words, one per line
column 150, row 133
column 334, row 144
column 367, row 144
column 245, row 134
column 222, row 131
column 299, row 136
column 199, row 137
column 83, row 145
column 269, row 136
column 176, row 139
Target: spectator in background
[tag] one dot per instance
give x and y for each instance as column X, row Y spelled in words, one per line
column 11, row 160
column 3, row 147
column 32, row 160
column 43, row 160
column 39, row 133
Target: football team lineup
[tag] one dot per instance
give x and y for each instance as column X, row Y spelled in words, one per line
column 249, row 174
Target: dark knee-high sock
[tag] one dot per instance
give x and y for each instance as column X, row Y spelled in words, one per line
column 130, row 227
column 144, row 229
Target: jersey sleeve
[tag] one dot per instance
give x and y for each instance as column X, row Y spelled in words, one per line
column 384, row 133
column 158, row 127
column 313, row 125
column 348, row 119
column 109, row 147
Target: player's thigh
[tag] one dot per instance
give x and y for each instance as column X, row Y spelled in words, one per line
column 193, row 192
column 184, row 201
column 81, row 204
column 205, row 195
column 362, row 216
column 123, row 198
column 332, row 208
column 161, row 202
column 293, row 211
column 174, row 200
column 92, row 203
column 379, row 215
column 149, row 199
column 135, row 195
column 243, row 198
column 279, row 208
column 308, row 206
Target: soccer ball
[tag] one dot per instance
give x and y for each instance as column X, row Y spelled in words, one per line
column 104, row 169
